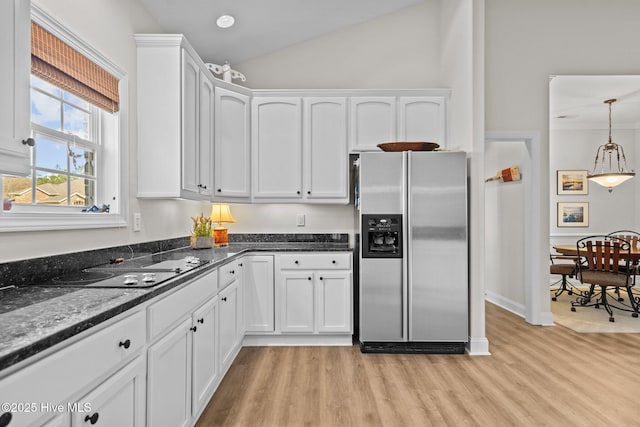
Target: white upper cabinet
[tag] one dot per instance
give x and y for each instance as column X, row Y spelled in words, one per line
column 422, row 119
column 232, row 145
column 372, row 122
column 175, row 119
column 15, row 44
column 276, row 137
column 325, row 149
column 419, row 117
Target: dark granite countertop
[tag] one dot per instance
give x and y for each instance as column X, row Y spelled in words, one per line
column 34, row 318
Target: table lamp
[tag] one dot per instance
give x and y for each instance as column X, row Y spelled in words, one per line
column 220, row 214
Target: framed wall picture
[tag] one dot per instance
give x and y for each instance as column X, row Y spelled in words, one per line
column 573, row 214
column 573, row 182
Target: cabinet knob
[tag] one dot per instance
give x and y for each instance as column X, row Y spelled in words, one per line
column 298, row 192
column 219, row 190
column 296, row 262
column 92, row 419
column 201, row 320
column 5, row 419
column 333, row 262
column 29, row 141
column 193, row 328
column 224, row 298
column 126, row 344
column 240, row 265
column 232, row 272
column 308, row 192
column 308, row 278
column 321, row 278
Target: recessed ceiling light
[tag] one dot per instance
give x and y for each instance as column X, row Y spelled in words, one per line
column 225, row 21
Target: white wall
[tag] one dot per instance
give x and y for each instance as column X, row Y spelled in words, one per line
column 576, row 150
column 398, row 50
column 504, row 215
column 528, row 41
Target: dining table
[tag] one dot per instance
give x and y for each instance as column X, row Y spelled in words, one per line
column 573, row 250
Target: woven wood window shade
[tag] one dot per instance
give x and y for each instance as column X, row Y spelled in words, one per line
column 59, row 64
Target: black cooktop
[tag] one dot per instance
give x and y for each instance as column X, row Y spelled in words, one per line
column 140, row 272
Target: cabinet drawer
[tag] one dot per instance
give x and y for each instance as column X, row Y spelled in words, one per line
column 176, row 306
column 227, row 274
column 74, row 368
column 324, row 261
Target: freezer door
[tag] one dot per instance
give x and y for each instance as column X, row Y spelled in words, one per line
column 381, row 183
column 437, row 247
column 381, row 300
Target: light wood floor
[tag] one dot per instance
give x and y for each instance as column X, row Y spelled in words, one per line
column 536, row 376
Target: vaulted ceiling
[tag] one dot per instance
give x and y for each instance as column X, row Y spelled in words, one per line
column 262, row 26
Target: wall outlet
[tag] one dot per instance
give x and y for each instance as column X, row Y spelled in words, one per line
column 300, row 220
column 137, row 221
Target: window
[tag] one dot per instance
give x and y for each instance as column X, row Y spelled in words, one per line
column 77, row 157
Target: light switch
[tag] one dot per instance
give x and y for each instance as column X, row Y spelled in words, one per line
column 300, row 220
column 137, row 221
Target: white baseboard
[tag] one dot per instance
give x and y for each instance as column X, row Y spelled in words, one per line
column 478, row 347
column 297, row 340
column 515, row 307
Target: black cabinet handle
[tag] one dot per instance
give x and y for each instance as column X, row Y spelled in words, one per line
column 5, row 419
column 224, row 298
column 194, row 328
column 333, row 262
column 308, row 278
column 240, row 265
column 126, row 344
column 308, row 192
column 321, row 278
column 298, row 192
column 296, row 262
column 200, row 320
column 92, row 419
column 219, row 190
column 232, row 272
column 29, row 141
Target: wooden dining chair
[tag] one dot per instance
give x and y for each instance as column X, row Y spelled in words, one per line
column 605, row 260
column 564, row 266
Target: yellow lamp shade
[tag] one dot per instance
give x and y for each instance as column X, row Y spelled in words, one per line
column 220, row 213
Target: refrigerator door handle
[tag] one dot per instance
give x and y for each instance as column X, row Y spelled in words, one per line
column 406, row 245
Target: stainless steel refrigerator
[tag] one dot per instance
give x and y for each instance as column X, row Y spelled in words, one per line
column 413, row 287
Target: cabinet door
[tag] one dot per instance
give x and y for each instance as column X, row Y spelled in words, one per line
column 258, row 293
column 333, row 301
column 228, row 323
column 169, row 378
column 296, row 301
column 422, row 119
column 190, row 107
column 15, row 44
column 372, row 121
column 325, row 145
column 276, row 138
column 205, row 136
column 205, row 353
column 119, row 401
column 232, row 145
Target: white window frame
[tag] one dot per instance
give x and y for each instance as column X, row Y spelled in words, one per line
column 41, row 217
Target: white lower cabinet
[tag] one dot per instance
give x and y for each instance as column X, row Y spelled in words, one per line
column 315, row 293
column 116, row 402
column 228, row 324
column 258, row 293
column 169, row 378
column 182, row 364
column 205, row 354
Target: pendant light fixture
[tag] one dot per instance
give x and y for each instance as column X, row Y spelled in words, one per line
column 606, row 174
